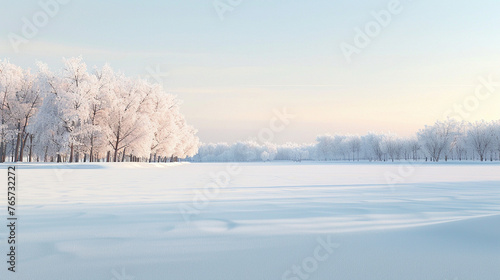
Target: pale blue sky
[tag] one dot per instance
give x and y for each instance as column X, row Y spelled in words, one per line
column 267, row 55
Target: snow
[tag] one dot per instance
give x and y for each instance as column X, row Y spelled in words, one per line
column 331, row 220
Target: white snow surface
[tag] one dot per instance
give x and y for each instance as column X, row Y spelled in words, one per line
column 279, row 220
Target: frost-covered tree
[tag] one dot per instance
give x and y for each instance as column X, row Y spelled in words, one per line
column 392, row 146
column 65, row 110
column 76, row 115
column 11, row 78
column 21, row 97
column 436, row 139
column 354, row 144
column 187, row 144
column 325, row 147
column 480, row 135
column 95, row 142
column 372, row 144
column 448, row 139
column 413, row 146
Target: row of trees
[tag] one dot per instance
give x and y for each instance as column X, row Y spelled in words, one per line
column 445, row 140
column 77, row 115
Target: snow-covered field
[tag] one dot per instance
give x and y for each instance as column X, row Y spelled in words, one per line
column 255, row 221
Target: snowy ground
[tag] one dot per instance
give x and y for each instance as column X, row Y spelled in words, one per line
column 270, row 221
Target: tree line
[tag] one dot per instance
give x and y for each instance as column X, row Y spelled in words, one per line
column 445, row 140
column 76, row 115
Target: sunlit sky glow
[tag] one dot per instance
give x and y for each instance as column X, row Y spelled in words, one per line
column 267, row 55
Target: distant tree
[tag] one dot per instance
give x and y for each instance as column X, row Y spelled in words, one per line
column 372, row 143
column 436, row 139
column 480, row 135
column 392, row 146
column 354, row 144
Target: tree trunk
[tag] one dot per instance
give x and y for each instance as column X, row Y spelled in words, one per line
column 123, row 155
column 31, row 147
column 23, row 145
column 116, row 145
column 4, row 152
column 71, row 153
column 18, row 143
column 91, row 145
column 1, row 152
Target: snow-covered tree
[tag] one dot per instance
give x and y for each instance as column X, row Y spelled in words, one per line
column 480, row 135
column 436, row 139
column 76, row 115
column 354, row 144
column 392, row 146
column 372, row 144
column 11, row 78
